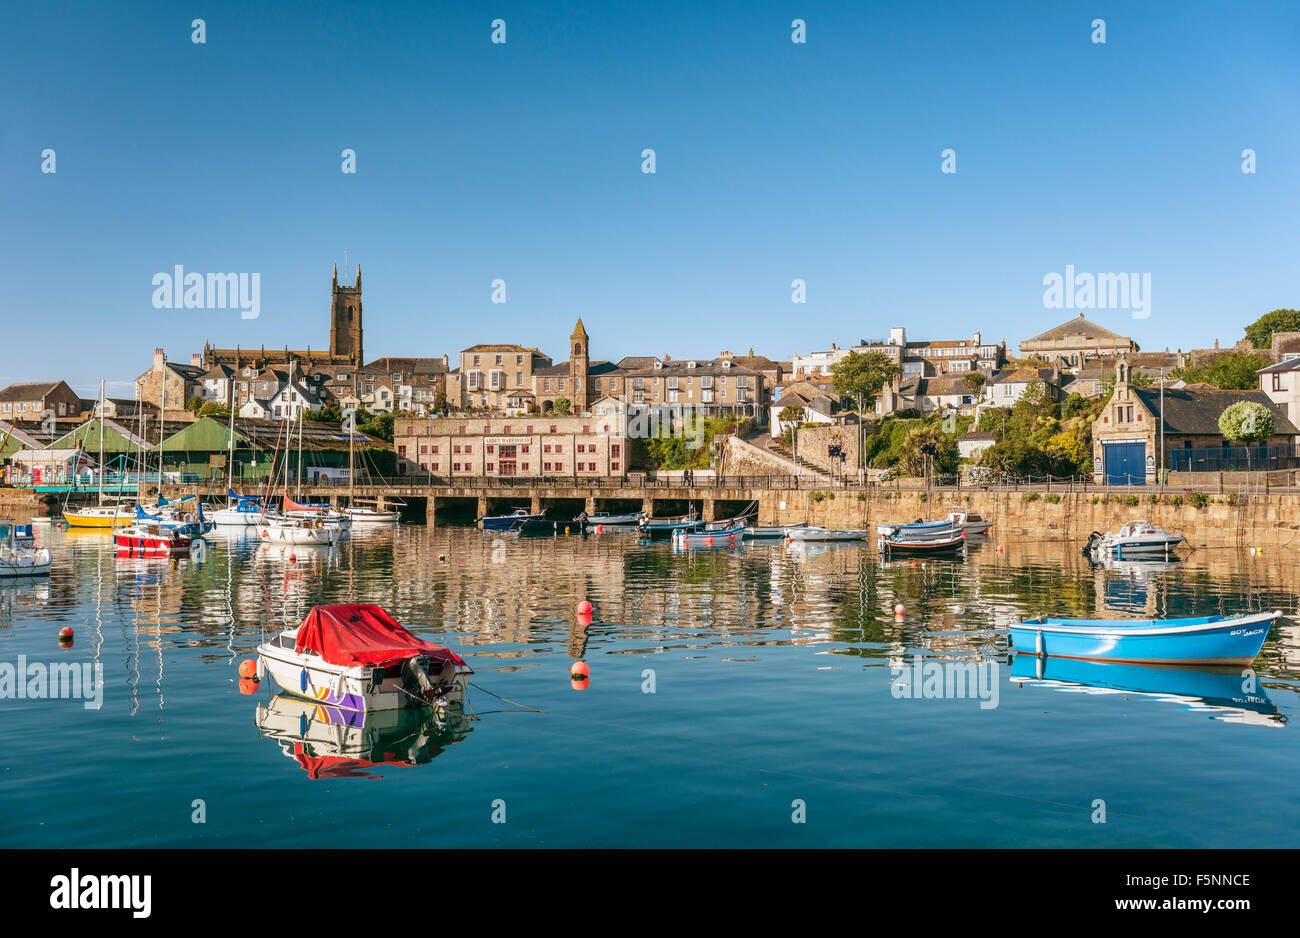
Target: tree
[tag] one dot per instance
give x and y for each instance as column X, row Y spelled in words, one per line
column 1260, row 332
column 861, row 375
column 381, row 426
column 1247, row 422
column 195, row 404
column 791, row 414
column 562, row 406
column 330, row 413
column 975, row 381
column 214, row 409
column 1235, row 371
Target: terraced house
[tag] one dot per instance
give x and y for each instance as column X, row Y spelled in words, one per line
column 713, row 388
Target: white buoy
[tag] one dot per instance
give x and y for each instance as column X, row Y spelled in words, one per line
column 1038, row 644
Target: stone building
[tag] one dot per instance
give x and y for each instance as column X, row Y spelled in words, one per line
column 1075, row 342
column 531, row 446
column 180, row 381
column 1127, row 442
column 29, row 401
column 712, row 388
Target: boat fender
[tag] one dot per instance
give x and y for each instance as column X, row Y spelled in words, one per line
column 415, row 677
column 302, row 681
column 1038, row 643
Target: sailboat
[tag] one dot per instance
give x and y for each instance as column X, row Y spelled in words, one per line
column 106, row 517
column 360, row 513
column 290, row 527
column 240, row 511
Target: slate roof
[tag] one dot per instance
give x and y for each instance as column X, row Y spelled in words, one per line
column 1077, row 328
column 28, row 391
column 1196, row 410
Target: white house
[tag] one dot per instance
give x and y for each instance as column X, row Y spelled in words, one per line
column 1281, row 383
column 292, row 399
column 255, row 409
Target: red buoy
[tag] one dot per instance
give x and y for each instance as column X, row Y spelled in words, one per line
column 579, row 669
column 247, row 687
column 584, row 608
column 65, row 633
column 248, row 668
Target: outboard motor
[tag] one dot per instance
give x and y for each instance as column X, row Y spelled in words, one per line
column 1093, row 538
column 415, row 678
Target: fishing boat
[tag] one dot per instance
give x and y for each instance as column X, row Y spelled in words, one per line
column 150, row 538
column 241, row 511
column 1215, row 692
column 972, row 522
column 707, row 538
column 779, row 531
column 329, row 742
column 610, row 519
column 505, row 522
column 282, row 529
column 18, row 559
column 665, row 527
column 811, row 534
column 1134, row 539
column 922, row 530
column 903, row 543
column 357, row 657
column 1203, row 640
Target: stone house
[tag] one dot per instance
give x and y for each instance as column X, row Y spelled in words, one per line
column 29, row 401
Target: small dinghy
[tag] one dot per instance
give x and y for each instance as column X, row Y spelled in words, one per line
column 357, row 657
column 814, row 534
column 609, row 519
column 922, row 530
column 1136, row 538
column 1204, row 640
column 545, row 527
column 909, row 544
column 766, row 532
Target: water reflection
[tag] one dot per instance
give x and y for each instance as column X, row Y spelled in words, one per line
column 328, row 742
column 1230, row 695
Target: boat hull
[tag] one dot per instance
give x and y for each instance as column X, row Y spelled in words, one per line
column 346, row 688
column 320, row 535
column 614, row 520
column 150, row 545
column 1205, row 641
column 232, row 518
column 820, row 535
column 892, row 545
column 78, row 519
column 26, row 563
column 506, row 522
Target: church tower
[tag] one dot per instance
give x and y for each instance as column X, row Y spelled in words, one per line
column 345, row 321
column 579, row 365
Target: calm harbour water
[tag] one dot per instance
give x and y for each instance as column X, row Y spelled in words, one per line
column 772, row 681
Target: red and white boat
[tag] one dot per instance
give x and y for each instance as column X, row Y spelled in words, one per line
column 357, row 657
column 154, row 540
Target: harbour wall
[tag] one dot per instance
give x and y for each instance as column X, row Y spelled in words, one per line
column 1238, row 521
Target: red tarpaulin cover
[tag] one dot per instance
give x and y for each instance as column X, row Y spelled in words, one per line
column 363, row 635
column 291, row 505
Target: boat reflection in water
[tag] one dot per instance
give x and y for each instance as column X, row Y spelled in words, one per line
column 330, row 742
column 1216, row 692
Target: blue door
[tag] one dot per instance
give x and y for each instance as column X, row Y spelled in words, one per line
column 1126, row 464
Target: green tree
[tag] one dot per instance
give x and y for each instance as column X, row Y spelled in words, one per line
column 214, row 409
column 1260, row 332
column 381, row 426
column 562, row 406
column 974, row 380
column 330, row 413
column 1235, row 371
column 1247, row 422
column 861, row 375
column 791, row 414
column 195, row 404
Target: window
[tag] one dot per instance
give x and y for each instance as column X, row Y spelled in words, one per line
column 498, row 359
column 546, row 385
column 546, row 467
column 525, row 467
column 456, row 467
column 524, row 448
column 490, row 449
column 559, row 447
column 462, row 428
column 435, row 447
column 424, row 450
column 529, row 428
column 614, row 451
column 559, row 467
column 552, row 428
column 468, row 449
column 586, row 428
column 613, row 467
column 489, row 467
column 519, row 359
column 401, row 451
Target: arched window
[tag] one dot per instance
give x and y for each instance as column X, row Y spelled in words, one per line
column 349, row 314
column 577, row 348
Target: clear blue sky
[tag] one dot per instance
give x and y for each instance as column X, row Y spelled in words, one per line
column 523, row 161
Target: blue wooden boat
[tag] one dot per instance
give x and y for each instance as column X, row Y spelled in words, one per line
column 1203, row 640
column 505, row 522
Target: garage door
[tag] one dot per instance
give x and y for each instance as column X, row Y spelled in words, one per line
column 1126, row 464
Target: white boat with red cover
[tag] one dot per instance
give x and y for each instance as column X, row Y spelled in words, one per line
column 358, row 657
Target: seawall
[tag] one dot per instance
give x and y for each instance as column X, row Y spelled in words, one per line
column 1261, row 521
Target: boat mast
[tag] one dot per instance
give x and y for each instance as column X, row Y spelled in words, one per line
column 101, row 441
column 162, row 426
column 230, row 443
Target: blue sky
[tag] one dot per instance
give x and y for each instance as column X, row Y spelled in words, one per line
column 522, row 161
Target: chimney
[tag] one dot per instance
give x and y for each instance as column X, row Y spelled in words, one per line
column 158, row 359
column 977, row 338
column 196, row 360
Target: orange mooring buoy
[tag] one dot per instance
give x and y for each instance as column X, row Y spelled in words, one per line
column 248, row 668
column 247, row 686
column 579, row 669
